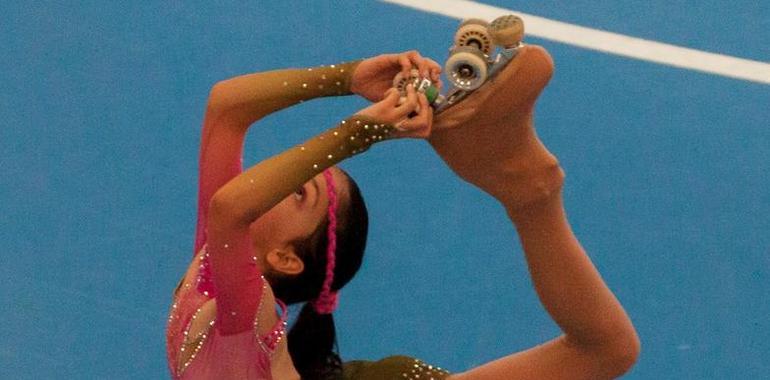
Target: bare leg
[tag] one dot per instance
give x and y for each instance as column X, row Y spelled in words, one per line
column 490, row 141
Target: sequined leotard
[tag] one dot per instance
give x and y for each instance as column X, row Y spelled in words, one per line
column 229, row 345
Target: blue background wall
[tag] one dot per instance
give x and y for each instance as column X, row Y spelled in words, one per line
column 101, row 104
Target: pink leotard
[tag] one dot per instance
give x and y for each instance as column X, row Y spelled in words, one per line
column 230, row 347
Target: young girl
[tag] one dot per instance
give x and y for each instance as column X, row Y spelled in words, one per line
column 500, row 153
column 291, row 228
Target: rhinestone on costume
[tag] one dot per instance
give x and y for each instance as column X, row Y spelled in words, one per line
column 421, row 370
column 197, row 342
column 268, row 342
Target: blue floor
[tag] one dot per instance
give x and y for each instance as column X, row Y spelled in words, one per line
column 668, row 184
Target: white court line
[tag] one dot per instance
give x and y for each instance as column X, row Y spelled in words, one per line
column 607, row 42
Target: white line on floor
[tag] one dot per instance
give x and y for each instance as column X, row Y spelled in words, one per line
column 607, row 42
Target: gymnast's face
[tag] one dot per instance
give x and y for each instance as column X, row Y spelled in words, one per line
column 294, row 219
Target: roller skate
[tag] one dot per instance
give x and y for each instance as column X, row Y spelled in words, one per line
column 471, row 62
column 423, row 85
column 484, row 128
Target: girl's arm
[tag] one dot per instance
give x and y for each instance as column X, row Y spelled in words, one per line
column 235, row 104
column 247, row 98
column 249, row 195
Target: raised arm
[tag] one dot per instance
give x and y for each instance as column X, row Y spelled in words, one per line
column 245, row 99
column 249, row 195
column 501, row 154
column 235, row 104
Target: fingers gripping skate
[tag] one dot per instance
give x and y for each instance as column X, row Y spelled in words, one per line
column 423, row 85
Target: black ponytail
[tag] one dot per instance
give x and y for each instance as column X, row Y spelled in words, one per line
column 312, row 339
column 312, row 346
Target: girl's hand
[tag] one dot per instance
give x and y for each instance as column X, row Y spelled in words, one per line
column 374, row 76
column 412, row 118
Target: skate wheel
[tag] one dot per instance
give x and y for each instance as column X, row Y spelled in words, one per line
column 466, row 68
column 400, row 81
column 507, row 31
column 473, row 32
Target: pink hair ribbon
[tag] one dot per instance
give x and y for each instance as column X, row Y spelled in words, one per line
column 327, row 300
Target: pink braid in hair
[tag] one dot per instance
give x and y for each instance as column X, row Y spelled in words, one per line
column 327, row 300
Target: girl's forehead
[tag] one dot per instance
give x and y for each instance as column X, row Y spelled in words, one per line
column 341, row 181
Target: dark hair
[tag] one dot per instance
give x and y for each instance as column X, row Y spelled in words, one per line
column 312, row 339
